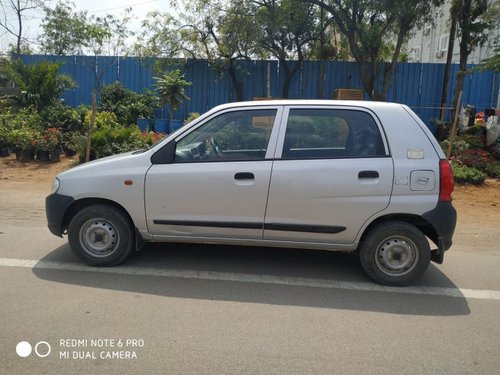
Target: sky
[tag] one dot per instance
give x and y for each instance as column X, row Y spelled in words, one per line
column 34, row 18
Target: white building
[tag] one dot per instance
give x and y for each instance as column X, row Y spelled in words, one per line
column 430, row 44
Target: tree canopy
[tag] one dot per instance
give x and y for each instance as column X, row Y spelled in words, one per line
column 376, row 31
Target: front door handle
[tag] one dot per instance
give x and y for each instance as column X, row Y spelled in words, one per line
column 244, row 176
column 368, row 174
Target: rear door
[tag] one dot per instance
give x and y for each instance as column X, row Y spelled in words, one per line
column 217, row 181
column 332, row 172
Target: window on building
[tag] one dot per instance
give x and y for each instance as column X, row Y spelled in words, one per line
column 443, row 42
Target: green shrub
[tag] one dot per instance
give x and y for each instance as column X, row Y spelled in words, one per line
column 22, row 138
column 110, row 140
column 126, row 104
column 467, row 175
column 492, row 170
column 24, row 117
column 102, row 119
column 75, row 141
column 495, row 151
column 474, row 141
column 6, row 126
column 47, row 139
column 192, row 116
column 18, row 129
column 41, row 84
column 65, row 118
column 458, row 146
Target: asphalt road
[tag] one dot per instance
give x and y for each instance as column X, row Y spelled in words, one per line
column 189, row 309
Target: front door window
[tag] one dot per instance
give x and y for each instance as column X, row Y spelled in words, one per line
column 231, row 136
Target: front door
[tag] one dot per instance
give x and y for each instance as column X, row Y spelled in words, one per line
column 218, row 181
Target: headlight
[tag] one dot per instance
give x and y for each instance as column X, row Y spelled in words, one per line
column 55, row 186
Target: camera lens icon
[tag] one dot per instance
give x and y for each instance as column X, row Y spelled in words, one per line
column 23, row 349
column 42, row 349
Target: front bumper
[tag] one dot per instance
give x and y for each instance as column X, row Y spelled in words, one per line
column 56, row 206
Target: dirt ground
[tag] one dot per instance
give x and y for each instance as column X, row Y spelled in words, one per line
column 478, row 207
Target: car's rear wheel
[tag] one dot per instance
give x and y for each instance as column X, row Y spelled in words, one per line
column 394, row 253
column 102, row 235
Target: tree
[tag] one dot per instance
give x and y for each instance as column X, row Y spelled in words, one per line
column 67, row 31
column 370, row 27
column 160, row 37
column 287, row 30
column 41, row 84
column 19, row 8
column 64, row 30
column 205, row 30
column 171, row 89
column 232, row 35
column 474, row 18
column 447, row 69
column 492, row 63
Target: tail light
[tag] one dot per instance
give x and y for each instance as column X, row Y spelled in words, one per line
column 446, row 181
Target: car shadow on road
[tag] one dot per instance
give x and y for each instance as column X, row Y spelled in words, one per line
column 255, row 265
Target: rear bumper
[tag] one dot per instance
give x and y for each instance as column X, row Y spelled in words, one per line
column 56, row 206
column 443, row 219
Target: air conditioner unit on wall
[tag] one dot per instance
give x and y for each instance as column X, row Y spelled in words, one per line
column 439, row 54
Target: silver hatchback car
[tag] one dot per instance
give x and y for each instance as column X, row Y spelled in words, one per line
column 363, row 177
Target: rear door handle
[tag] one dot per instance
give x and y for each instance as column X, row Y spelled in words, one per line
column 368, row 174
column 244, row 176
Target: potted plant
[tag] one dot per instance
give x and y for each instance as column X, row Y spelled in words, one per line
column 4, row 141
column 23, row 140
column 171, row 90
column 78, row 142
column 48, row 144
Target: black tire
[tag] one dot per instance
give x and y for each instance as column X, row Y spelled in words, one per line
column 101, row 235
column 394, row 253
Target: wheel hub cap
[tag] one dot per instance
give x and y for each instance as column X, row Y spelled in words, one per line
column 396, row 256
column 99, row 237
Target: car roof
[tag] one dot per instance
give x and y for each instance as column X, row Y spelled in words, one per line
column 351, row 103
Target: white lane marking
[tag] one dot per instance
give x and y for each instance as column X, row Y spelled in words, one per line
column 254, row 278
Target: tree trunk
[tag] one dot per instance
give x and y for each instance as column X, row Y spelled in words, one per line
column 447, row 69
column 321, row 86
column 465, row 27
column 390, row 68
column 20, row 33
column 171, row 119
column 459, row 84
column 237, row 85
column 91, row 126
column 288, row 78
column 289, row 74
column 321, row 55
column 367, row 79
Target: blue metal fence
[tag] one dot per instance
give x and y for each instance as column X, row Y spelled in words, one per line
column 417, row 85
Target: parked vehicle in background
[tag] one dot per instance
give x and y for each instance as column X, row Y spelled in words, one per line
column 365, row 177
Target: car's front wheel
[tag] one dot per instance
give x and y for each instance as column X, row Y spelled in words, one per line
column 102, row 235
column 394, row 253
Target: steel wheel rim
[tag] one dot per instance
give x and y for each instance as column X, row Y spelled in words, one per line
column 396, row 256
column 99, row 237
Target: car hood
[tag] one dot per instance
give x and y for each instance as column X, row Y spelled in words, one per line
column 109, row 163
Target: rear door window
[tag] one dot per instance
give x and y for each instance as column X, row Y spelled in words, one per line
column 331, row 133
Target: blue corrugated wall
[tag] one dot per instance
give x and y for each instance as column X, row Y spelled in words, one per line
column 417, row 85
